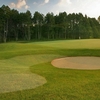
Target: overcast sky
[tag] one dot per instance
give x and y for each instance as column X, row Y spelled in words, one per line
column 89, row 7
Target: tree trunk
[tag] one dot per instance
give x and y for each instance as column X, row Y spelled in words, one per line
column 5, row 31
column 29, row 34
column 16, row 36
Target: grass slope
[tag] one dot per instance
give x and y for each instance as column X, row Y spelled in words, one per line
column 62, row 84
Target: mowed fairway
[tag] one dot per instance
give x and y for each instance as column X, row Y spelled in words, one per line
column 26, row 72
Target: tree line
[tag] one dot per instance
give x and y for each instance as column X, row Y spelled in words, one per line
column 15, row 26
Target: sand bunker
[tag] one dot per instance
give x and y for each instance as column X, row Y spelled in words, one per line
column 85, row 63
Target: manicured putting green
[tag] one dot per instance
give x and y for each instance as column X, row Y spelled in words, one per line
column 85, row 63
column 15, row 73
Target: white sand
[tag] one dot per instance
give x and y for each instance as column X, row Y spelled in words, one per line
column 85, row 63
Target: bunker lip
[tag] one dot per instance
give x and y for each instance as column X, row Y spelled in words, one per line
column 81, row 63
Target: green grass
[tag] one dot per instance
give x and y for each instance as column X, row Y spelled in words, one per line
column 62, row 84
column 73, row 44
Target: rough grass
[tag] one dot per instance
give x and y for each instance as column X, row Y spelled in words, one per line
column 62, row 84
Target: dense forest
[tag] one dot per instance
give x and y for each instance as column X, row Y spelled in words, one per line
column 15, row 26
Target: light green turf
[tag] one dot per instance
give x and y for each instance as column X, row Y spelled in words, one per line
column 73, row 44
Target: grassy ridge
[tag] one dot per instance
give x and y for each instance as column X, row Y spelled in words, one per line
column 62, row 84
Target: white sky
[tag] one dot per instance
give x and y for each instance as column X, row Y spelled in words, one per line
column 89, row 7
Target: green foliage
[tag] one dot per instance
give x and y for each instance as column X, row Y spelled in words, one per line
column 16, row 26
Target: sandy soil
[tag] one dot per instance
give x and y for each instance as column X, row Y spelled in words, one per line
column 85, row 63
